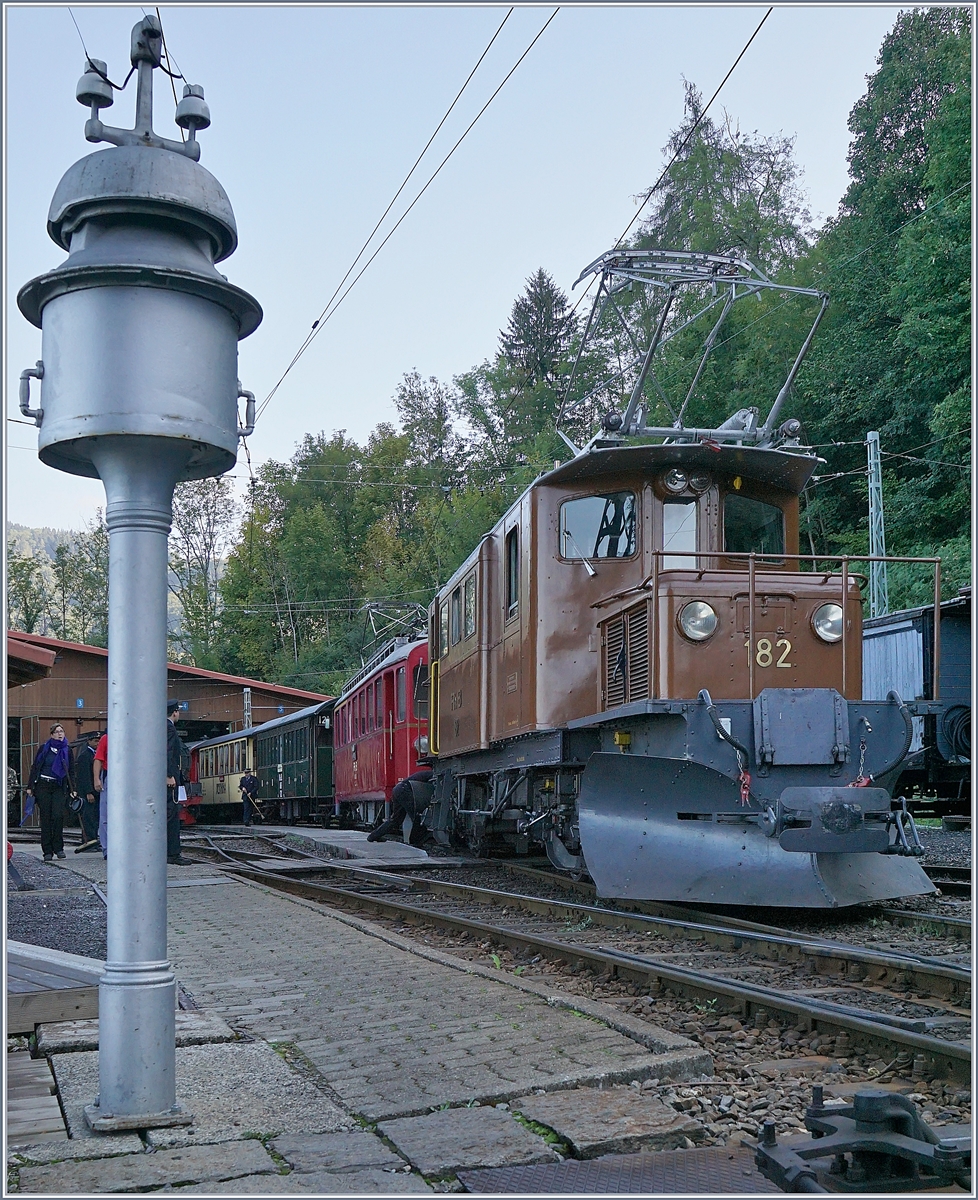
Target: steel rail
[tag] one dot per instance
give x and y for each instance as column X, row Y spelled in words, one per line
column 946, row 1058
column 956, row 927
column 835, row 959
column 952, row 880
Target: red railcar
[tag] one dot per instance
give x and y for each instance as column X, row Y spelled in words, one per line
column 380, row 728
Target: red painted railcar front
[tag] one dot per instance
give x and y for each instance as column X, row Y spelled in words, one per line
column 380, row 729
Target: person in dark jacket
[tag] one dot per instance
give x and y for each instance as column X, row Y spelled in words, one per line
column 176, row 753
column 248, row 787
column 85, row 785
column 51, row 781
column 405, row 803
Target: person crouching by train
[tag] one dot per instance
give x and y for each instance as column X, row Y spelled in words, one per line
column 248, row 787
column 407, row 802
column 85, row 783
column 50, row 783
column 176, row 753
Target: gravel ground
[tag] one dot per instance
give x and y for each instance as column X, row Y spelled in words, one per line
column 55, row 915
column 950, row 849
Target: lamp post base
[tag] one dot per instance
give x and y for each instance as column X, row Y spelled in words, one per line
column 102, row 1122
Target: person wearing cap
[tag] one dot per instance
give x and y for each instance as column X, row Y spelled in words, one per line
column 175, row 754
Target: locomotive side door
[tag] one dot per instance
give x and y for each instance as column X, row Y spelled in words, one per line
column 509, row 700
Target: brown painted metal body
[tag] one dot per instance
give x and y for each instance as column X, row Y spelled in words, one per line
column 638, row 671
column 545, row 631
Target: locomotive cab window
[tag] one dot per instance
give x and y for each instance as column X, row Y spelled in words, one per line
column 679, row 534
column 752, row 525
column 598, row 526
column 512, row 572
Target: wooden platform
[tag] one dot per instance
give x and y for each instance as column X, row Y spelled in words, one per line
column 49, row 985
column 33, row 1111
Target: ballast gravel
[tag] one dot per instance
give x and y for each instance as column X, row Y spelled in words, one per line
column 61, row 913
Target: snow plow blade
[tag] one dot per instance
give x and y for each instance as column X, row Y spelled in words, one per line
column 674, row 830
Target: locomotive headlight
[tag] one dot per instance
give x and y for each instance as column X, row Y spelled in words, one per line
column 675, row 480
column 698, row 620
column 827, row 622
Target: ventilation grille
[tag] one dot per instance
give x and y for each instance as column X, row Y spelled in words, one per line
column 616, row 662
column 627, row 657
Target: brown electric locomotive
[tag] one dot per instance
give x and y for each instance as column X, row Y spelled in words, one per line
column 637, row 671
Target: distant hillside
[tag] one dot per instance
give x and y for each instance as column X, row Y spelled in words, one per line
column 41, row 543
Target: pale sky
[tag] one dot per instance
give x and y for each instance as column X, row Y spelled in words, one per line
column 319, row 111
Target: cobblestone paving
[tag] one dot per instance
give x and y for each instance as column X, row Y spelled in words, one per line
column 392, row 1034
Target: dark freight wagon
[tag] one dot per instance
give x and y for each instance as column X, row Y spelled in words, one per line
column 898, row 652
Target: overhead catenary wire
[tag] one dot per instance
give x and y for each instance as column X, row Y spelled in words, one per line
column 328, row 311
column 404, row 184
column 696, row 124
column 681, row 148
column 172, row 77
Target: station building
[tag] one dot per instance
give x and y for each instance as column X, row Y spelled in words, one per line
column 74, row 694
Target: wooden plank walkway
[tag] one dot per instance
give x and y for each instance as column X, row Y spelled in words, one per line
column 33, row 1112
column 49, row 985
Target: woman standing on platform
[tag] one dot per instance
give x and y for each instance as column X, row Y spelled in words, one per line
column 50, row 783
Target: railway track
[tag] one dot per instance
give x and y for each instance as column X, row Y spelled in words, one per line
column 952, row 880
column 840, row 991
column 943, row 926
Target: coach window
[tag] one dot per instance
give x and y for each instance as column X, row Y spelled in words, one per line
column 752, row 525
column 400, row 691
column 512, row 571
column 379, row 704
column 420, row 691
column 370, row 706
column 443, row 630
column 598, row 526
column 361, row 715
column 456, row 616
column 679, row 534
column 469, row 628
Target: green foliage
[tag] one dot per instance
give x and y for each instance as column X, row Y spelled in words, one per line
column 26, row 592
column 204, row 522
column 728, row 193
column 894, row 353
column 63, row 593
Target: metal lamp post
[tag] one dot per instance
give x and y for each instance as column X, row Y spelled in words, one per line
column 139, row 388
